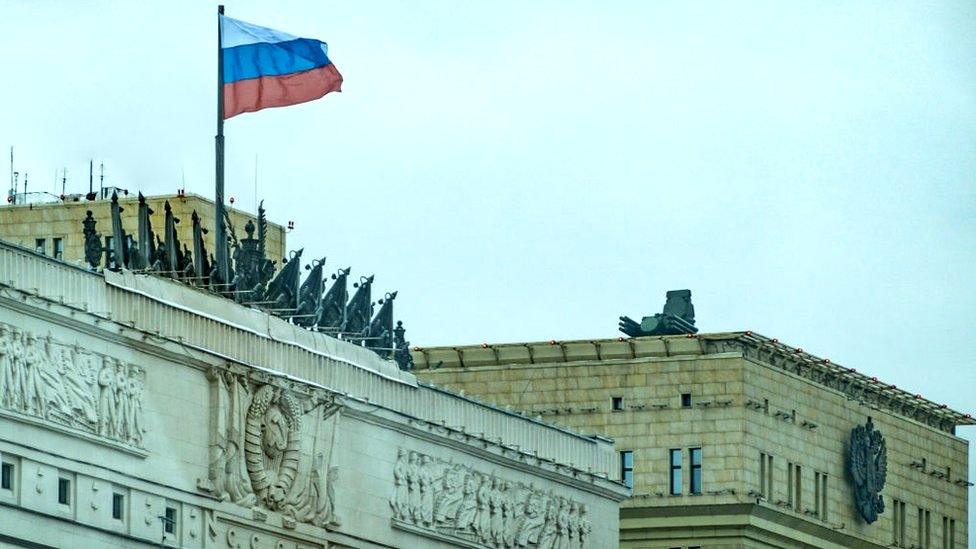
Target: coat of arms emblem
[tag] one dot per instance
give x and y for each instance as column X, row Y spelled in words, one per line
column 869, row 468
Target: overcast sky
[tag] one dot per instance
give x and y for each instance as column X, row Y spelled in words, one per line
column 530, row 171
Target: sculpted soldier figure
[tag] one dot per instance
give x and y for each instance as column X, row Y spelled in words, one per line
column 6, row 365
column 426, row 481
column 106, row 398
column 33, row 386
column 401, row 493
column 464, row 519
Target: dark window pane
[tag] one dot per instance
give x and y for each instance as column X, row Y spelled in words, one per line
column 64, row 489
column 169, row 525
column 617, row 403
column 686, row 400
column 6, row 476
column 118, row 501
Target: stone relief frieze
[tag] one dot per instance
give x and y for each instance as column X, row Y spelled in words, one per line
column 271, row 447
column 456, row 501
column 72, row 387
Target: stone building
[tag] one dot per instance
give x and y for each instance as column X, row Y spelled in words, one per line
column 738, row 440
column 53, row 228
column 139, row 411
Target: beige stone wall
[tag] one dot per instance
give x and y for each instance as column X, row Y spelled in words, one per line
column 573, row 384
column 22, row 224
column 823, row 449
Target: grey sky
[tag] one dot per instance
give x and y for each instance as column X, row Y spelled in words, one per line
column 530, row 172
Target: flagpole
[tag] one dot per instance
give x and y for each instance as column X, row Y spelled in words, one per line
column 220, row 237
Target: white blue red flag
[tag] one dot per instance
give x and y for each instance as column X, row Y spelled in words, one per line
column 264, row 68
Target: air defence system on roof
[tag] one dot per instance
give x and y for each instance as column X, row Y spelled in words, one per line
column 252, row 279
column 677, row 318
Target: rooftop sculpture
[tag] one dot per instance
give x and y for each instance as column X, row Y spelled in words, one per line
column 677, row 318
column 252, row 279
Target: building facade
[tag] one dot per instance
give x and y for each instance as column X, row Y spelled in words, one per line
column 737, row 440
column 138, row 411
column 54, row 228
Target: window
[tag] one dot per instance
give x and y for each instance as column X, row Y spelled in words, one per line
column 617, row 403
column 40, row 245
column 923, row 533
column 898, row 530
column 685, row 400
column 627, row 468
column 823, row 497
column 766, row 475
column 7, row 476
column 58, row 248
column 696, row 470
column 64, row 491
column 798, row 477
column 118, row 504
column 675, row 472
column 794, row 486
column 169, row 521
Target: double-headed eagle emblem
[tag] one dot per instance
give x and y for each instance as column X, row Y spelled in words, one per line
column 869, row 468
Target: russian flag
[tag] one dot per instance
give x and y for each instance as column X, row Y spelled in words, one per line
column 264, row 68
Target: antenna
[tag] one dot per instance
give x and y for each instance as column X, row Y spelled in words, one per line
column 64, row 181
column 25, row 185
column 12, row 184
column 101, row 180
column 91, row 175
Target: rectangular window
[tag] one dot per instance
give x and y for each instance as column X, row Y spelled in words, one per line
column 952, row 532
column 675, row 464
column 7, row 476
column 64, row 491
column 617, row 403
column 40, row 245
column 901, row 522
column 627, row 468
column 696, row 470
column 928, row 530
column 762, row 475
column 823, row 496
column 118, row 506
column 685, row 400
column 798, row 477
column 169, row 523
column 789, row 483
column 816, row 494
column 895, row 522
column 58, row 248
column 920, row 531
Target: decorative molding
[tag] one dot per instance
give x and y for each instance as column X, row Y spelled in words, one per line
column 271, row 445
column 456, row 504
column 69, row 389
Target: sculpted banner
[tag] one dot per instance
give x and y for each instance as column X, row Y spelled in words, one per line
column 271, row 447
column 71, row 387
column 483, row 510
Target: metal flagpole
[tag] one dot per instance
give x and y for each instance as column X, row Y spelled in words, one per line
column 220, row 236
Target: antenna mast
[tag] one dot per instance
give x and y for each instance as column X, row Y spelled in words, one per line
column 91, row 176
column 101, row 180
column 64, row 181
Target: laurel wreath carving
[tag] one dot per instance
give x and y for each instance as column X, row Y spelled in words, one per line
column 271, row 444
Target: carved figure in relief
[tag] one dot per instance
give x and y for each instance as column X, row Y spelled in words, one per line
column 584, row 526
column 78, row 389
column 134, row 391
column 562, row 525
column 448, row 497
column 483, row 520
column 106, row 398
column 508, row 510
column 33, row 387
column 60, row 384
column 529, row 524
column 401, row 493
column 6, row 365
column 17, row 370
column 468, row 508
column 426, row 482
column 413, row 486
column 495, row 500
column 121, row 401
column 547, row 537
